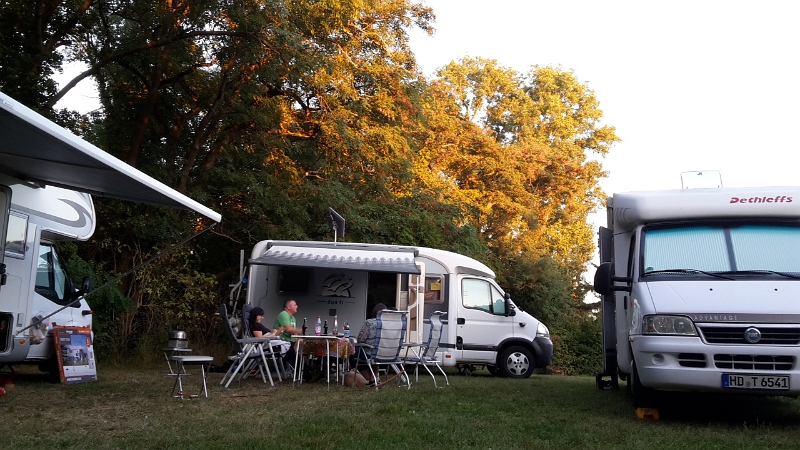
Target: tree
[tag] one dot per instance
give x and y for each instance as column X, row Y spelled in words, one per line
column 528, row 180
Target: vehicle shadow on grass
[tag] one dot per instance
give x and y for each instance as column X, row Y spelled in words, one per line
column 693, row 407
column 29, row 375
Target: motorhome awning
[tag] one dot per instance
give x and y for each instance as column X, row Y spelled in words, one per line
column 338, row 258
column 34, row 149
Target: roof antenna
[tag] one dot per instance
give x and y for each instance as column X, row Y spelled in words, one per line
column 701, row 179
column 336, row 223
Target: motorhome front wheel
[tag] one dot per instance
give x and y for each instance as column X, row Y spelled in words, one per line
column 517, row 362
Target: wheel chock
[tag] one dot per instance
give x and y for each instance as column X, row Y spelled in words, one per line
column 647, row 413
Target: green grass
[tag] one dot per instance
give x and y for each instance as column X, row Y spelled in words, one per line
column 130, row 407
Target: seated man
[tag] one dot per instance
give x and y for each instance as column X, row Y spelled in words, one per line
column 288, row 323
column 368, row 335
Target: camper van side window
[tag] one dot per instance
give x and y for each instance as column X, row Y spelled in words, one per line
column 16, row 235
column 51, row 280
column 480, row 294
column 498, row 302
column 475, row 294
column 434, row 293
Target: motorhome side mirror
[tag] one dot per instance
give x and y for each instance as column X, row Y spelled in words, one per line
column 604, row 280
column 511, row 309
column 86, row 285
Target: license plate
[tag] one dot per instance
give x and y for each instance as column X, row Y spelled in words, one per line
column 772, row 382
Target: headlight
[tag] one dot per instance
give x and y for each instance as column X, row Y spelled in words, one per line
column 666, row 325
column 542, row 331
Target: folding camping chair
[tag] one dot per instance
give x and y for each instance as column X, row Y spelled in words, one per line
column 386, row 351
column 425, row 353
column 274, row 347
column 250, row 354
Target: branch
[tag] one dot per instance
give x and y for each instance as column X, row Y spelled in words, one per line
column 94, row 70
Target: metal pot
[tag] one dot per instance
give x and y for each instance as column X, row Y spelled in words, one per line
column 178, row 340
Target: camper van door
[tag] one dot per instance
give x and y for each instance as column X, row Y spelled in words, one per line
column 482, row 320
column 416, row 305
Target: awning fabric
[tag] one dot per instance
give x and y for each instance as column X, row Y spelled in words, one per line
column 34, row 149
column 339, row 258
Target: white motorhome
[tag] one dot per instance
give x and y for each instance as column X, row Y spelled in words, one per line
column 46, row 176
column 700, row 291
column 35, row 278
column 331, row 280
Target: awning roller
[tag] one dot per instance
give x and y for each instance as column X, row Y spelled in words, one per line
column 339, row 258
column 34, row 149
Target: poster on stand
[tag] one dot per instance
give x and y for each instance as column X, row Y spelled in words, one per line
column 75, row 354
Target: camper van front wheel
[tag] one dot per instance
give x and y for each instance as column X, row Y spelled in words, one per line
column 517, row 362
column 642, row 397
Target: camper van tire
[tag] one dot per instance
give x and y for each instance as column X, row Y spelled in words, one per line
column 642, row 397
column 517, row 362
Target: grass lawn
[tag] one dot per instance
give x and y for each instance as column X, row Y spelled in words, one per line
column 130, row 407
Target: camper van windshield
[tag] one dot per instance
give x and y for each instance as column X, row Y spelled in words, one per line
column 730, row 249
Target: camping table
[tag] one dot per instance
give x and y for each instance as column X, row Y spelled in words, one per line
column 301, row 340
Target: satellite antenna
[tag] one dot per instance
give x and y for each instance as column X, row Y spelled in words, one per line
column 701, row 179
column 336, row 223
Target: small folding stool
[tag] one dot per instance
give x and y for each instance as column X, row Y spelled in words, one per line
column 203, row 361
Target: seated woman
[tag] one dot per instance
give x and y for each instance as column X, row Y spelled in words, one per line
column 368, row 335
column 257, row 329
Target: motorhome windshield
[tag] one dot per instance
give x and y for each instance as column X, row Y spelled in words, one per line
column 721, row 251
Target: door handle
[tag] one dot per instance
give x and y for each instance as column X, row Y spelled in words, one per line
column 460, row 321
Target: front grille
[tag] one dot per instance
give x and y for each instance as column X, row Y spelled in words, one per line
column 692, row 359
column 735, row 335
column 754, row 362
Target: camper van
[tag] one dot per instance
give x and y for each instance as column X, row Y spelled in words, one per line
column 46, row 177
column 700, row 291
column 344, row 281
column 36, row 283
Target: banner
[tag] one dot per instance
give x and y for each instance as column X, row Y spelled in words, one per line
column 75, row 354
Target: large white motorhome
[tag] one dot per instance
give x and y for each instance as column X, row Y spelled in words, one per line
column 700, row 291
column 483, row 327
column 36, row 284
column 46, row 176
